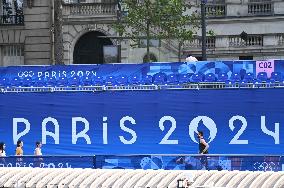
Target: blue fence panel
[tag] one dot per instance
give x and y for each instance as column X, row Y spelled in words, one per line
column 245, row 121
column 52, row 75
column 192, row 162
column 104, row 70
column 48, row 161
column 166, row 162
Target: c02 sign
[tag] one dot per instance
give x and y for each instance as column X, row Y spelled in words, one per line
column 265, row 65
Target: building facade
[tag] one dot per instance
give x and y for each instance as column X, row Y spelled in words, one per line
column 244, row 29
column 25, row 32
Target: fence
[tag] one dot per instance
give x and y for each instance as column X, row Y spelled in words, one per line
column 167, row 162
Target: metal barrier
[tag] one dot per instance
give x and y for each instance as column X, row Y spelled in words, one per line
column 202, row 85
column 167, row 162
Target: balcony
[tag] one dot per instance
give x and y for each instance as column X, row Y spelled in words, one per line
column 252, row 40
column 12, row 20
column 197, row 43
column 215, row 10
column 89, row 9
column 260, row 7
column 232, row 45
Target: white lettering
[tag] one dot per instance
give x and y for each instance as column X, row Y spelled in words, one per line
column 88, row 73
column 45, row 133
column 53, row 74
column 94, row 73
column 64, row 73
column 236, row 140
column 31, row 73
column 46, row 74
column 275, row 134
column 26, row 74
column 126, row 129
column 17, row 136
column 81, row 134
column 80, row 73
column 39, row 74
column 105, row 138
column 73, row 73
column 20, row 74
column 166, row 140
column 207, row 122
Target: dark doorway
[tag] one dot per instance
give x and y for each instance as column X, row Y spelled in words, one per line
column 246, row 58
column 89, row 49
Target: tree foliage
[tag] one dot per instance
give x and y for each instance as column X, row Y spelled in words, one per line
column 157, row 19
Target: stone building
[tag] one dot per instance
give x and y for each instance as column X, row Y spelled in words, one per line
column 26, row 32
column 261, row 22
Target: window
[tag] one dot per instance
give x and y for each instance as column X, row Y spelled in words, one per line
column 11, row 55
column 12, row 12
column 110, row 54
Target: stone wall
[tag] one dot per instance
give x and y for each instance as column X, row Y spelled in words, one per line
column 38, row 33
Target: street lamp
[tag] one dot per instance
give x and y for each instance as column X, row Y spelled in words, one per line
column 203, row 28
column 119, row 40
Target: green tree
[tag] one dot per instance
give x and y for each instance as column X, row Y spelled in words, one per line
column 157, row 19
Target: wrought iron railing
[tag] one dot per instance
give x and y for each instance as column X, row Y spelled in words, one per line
column 12, row 20
column 89, row 9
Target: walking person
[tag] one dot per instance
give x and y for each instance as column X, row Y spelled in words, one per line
column 38, row 149
column 203, row 149
column 2, row 149
column 38, row 160
column 203, row 145
column 19, row 152
column 19, row 149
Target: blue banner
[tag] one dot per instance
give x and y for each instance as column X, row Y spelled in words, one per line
column 216, row 67
column 48, row 161
column 192, row 162
column 244, row 121
column 204, row 67
column 166, row 162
